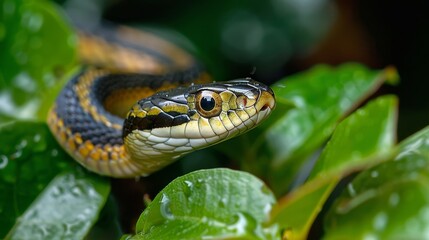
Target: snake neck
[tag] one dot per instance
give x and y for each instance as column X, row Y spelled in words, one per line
column 108, row 159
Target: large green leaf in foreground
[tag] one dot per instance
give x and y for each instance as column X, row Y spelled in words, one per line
column 28, row 163
column 209, row 204
column 363, row 139
column 36, row 48
column 389, row 201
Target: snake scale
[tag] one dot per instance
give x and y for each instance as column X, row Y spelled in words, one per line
column 140, row 102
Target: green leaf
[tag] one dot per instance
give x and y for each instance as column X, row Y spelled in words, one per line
column 367, row 134
column 389, row 201
column 28, row 163
column 66, row 209
column 209, row 204
column 37, row 48
column 322, row 95
column 363, row 139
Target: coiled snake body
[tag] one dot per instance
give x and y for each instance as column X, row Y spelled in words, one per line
column 142, row 102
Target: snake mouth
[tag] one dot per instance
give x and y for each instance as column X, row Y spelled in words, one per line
column 266, row 101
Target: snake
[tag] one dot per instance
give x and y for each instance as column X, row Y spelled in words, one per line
column 139, row 102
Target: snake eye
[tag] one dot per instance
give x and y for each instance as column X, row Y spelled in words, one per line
column 208, row 103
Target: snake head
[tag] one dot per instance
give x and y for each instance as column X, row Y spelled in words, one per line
column 172, row 123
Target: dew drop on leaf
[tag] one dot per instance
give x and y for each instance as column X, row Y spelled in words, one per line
column 57, row 191
column 37, row 138
column 380, row 221
column 374, row 174
column 17, row 154
column 351, row 190
column 21, row 144
column 165, row 207
column 54, row 152
column 394, row 199
column 3, row 161
column 187, row 190
column 223, row 202
column 76, row 191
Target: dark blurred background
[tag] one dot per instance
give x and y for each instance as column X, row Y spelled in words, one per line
column 275, row 38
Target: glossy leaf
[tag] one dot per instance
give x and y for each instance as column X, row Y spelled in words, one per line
column 209, row 204
column 321, row 95
column 66, row 209
column 389, row 201
column 367, row 134
column 363, row 139
column 29, row 159
column 37, row 48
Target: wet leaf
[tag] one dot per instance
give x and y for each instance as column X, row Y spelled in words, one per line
column 209, row 204
column 66, row 209
column 321, row 96
column 28, row 162
column 363, row 139
column 37, row 48
column 389, row 201
column 367, row 134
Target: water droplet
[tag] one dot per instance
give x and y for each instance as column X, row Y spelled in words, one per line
column 244, row 223
column 267, row 208
column 223, row 202
column 165, row 207
column 16, row 155
column 32, row 21
column 76, row 191
column 189, row 184
column 200, row 181
column 21, row 144
column 3, row 161
column 351, row 190
column 57, row 191
column 37, row 138
column 240, row 225
column 374, row 174
column 380, row 221
column 87, row 211
column 49, row 79
column 187, row 189
column 24, row 81
column 394, row 199
column 370, row 236
column 54, row 152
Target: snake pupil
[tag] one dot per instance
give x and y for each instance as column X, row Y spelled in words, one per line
column 207, row 103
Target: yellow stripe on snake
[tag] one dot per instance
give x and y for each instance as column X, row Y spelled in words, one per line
column 141, row 102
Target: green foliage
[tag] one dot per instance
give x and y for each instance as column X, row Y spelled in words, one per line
column 83, row 197
column 321, row 96
column 212, row 204
column 357, row 143
column 37, row 47
column 32, row 164
column 46, row 195
column 390, row 201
